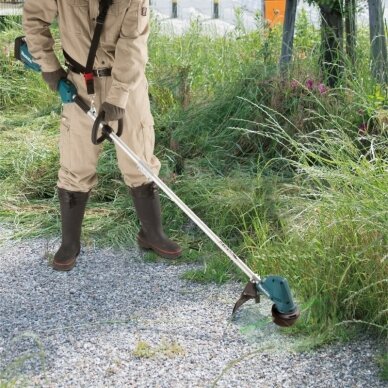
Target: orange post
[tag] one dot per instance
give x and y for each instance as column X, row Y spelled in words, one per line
column 274, row 11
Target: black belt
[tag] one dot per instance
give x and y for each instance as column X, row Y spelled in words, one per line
column 104, row 72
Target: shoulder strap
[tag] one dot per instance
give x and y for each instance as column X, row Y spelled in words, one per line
column 104, row 6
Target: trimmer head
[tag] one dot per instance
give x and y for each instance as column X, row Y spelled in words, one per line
column 284, row 311
column 284, row 319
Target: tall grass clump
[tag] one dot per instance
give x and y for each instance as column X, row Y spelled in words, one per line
column 329, row 233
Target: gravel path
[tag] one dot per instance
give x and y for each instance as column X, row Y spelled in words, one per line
column 117, row 320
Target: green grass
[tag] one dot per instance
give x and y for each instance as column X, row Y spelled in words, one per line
column 332, row 240
column 291, row 176
column 383, row 363
column 12, row 375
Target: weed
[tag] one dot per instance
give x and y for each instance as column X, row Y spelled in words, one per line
column 166, row 348
column 170, row 349
column 143, row 350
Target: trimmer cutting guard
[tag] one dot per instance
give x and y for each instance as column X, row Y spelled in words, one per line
column 284, row 311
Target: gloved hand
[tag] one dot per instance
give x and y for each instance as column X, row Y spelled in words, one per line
column 112, row 112
column 52, row 78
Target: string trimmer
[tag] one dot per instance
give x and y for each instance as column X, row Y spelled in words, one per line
column 284, row 311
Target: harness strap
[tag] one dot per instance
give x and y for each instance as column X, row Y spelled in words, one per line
column 80, row 68
column 88, row 69
column 89, row 76
column 74, row 67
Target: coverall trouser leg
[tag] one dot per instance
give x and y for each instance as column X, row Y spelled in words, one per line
column 79, row 156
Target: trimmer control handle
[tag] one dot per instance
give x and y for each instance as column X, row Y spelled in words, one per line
column 106, row 129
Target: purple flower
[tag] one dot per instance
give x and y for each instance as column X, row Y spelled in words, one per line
column 294, row 84
column 310, row 84
column 322, row 88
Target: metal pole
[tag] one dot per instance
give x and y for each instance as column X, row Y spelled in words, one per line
column 174, row 9
column 288, row 36
column 216, row 9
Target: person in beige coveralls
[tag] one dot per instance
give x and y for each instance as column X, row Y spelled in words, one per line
column 120, row 91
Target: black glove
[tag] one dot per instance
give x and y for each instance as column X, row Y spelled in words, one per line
column 52, row 78
column 112, row 112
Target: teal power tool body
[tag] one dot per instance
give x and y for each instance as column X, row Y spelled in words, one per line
column 66, row 89
column 68, row 94
column 284, row 311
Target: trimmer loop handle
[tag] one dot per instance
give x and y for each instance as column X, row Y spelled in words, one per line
column 106, row 129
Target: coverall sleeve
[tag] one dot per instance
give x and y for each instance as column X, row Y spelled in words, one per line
column 131, row 54
column 37, row 18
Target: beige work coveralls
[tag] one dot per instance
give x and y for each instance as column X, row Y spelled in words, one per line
column 123, row 47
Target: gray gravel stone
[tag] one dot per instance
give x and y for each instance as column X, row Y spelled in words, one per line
column 116, row 320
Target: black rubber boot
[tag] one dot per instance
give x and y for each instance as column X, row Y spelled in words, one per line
column 151, row 235
column 73, row 205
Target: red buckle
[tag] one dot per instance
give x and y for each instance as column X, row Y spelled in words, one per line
column 88, row 76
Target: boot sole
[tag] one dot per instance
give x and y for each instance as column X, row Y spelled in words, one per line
column 65, row 267
column 165, row 254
